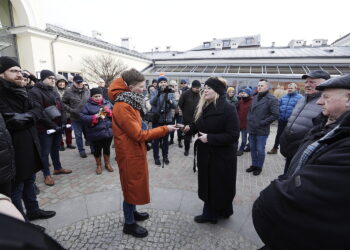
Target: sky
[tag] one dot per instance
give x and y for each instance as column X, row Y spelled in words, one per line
column 185, row 24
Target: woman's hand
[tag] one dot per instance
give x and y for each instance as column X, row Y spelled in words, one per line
column 172, row 128
column 186, row 128
column 203, row 137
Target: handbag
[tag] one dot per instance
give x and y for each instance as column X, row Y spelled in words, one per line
column 52, row 112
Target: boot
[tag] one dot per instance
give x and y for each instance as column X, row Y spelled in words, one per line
column 98, row 165
column 107, row 163
column 273, row 151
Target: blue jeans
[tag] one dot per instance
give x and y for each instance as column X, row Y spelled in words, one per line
column 257, row 149
column 50, row 145
column 164, row 143
column 129, row 210
column 244, row 135
column 24, row 190
column 78, row 128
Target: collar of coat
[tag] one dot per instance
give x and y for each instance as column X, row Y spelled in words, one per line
column 263, row 99
column 215, row 109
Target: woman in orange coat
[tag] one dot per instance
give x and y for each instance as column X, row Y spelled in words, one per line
column 130, row 148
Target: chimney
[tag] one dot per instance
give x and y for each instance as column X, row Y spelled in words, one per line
column 96, row 34
column 168, row 48
column 273, row 44
column 126, row 42
column 156, row 49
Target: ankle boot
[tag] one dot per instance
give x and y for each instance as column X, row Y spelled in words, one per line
column 98, row 165
column 107, row 163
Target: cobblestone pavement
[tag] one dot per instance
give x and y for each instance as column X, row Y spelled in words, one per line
column 167, row 230
column 178, row 175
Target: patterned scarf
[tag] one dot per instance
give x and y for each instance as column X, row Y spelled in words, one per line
column 133, row 99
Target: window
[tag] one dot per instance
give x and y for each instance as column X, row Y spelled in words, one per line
column 249, row 40
column 206, row 45
column 226, row 43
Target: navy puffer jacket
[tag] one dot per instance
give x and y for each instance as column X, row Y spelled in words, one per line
column 287, row 104
column 101, row 130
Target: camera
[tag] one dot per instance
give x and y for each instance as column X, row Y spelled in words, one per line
column 167, row 90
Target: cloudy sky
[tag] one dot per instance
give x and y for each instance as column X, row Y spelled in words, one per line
column 184, row 24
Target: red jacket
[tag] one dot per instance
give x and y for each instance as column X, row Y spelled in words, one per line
column 243, row 109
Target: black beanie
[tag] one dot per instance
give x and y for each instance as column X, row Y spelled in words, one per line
column 196, row 84
column 6, row 63
column 95, row 91
column 45, row 74
column 216, row 85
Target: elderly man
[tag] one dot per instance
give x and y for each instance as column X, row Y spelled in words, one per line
column 308, row 208
column 300, row 122
column 20, row 115
column 263, row 111
column 102, row 85
column 286, row 104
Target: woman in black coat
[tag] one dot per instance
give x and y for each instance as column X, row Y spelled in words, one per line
column 217, row 123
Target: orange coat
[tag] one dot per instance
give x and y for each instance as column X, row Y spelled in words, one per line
column 130, row 148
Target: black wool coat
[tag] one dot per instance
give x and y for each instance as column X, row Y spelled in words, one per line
column 310, row 208
column 7, row 154
column 216, row 159
column 25, row 140
column 187, row 103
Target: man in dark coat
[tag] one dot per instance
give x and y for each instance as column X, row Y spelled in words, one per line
column 308, row 208
column 7, row 156
column 300, row 122
column 45, row 94
column 218, row 126
column 187, row 103
column 263, row 111
column 20, row 115
column 102, row 86
column 74, row 100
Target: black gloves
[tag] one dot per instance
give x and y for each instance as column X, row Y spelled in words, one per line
column 18, row 120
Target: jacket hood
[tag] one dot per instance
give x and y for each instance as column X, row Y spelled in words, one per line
column 117, row 87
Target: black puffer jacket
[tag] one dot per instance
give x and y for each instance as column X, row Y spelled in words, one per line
column 7, row 154
column 310, row 208
column 299, row 124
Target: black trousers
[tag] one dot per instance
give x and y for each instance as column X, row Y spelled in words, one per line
column 104, row 144
column 5, row 188
column 280, row 128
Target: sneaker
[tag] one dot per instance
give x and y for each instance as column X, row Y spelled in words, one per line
column 239, row 153
column 257, row 171
column 273, row 151
column 82, row 154
column 251, row 169
column 71, row 146
column 62, row 148
column 166, row 160
column 157, row 162
column 135, row 230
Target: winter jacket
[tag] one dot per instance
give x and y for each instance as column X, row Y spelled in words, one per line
column 163, row 104
column 188, row 103
column 130, row 147
column 216, row 161
column 243, row 109
column 47, row 96
column 299, row 123
column 232, row 100
column 73, row 101
column 287, row 104
column 7, row 154
column 262, row 113
column 309, row 209
column 25, row 139
column 100, row 129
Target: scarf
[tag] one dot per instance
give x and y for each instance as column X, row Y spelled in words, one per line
column 20, row 92
column 133, row 99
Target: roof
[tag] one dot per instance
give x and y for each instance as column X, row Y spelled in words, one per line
column 256, row 53
column 342, row 38
column 92, row 41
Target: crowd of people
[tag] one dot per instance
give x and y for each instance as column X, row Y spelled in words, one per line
column 304, row 208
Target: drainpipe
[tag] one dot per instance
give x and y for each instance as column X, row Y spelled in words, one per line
column 53, row 53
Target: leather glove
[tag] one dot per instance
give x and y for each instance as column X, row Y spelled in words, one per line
column 18, row 120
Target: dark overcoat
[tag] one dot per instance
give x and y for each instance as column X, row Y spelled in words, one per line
column 216, row 159
column 7, row 154
column 309, row 207
column 101, row 130
column 187, row 103
column 25, row 140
